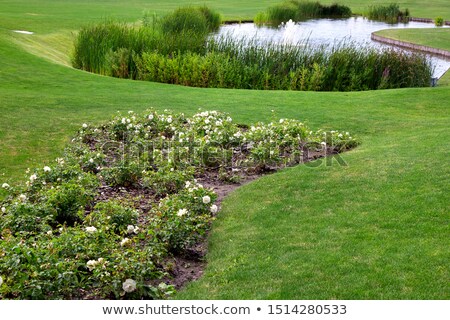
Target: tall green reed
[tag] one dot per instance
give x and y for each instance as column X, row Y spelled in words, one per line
column 388, row 13
column 184, row 54
column 300, row 10
column 246, row 64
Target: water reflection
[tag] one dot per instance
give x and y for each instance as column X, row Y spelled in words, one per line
column 326, row 32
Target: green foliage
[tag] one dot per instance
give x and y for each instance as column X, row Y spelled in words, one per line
column 439, row 21
column 232, row 64
column 390, row 13
column 300, row 10
column 196, row 20
column 166, row 180
column 181, row 219
column 69, row 201
column 124, row 174
column 175, row 50
column 395, row 125
column 112, row 215
column 64, row 236
column 113, row 48
column 27, row 219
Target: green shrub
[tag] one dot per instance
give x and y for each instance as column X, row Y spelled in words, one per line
column 439, row 21
column 114, row 215
column 114, row 243
column 166, row 180
column 69, row 200
column 181, row 219
column 27, row 219
column 124, row 174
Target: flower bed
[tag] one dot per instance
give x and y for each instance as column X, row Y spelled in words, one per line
column 107, row 219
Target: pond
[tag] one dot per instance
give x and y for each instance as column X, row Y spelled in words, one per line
column 326, row 31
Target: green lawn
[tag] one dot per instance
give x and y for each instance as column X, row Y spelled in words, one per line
column 374, row 229
column 436, row 38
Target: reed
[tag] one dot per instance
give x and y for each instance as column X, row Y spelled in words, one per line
column 108, row 48
column 390, row 13
column 300, row 10
column 245, row 64
column 182, row 52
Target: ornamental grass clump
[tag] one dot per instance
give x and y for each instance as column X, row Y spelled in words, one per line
column 388, row 13
column 109, row 219
column 299, row 11
column 111, row 47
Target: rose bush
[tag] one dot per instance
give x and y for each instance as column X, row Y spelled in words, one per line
column 101, row 221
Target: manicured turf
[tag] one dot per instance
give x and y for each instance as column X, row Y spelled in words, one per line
column 374, row 229
column 436, row 38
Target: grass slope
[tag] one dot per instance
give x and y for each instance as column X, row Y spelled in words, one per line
column 376, row 229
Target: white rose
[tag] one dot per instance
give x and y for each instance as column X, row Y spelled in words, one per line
column 5, row 185
column 91, row 264
column 132, row 229
column 47, row 169
column 124, row 242
column 23, row 198
column 129, row 285
column 214, row 208
column 3, row 209
column 85, row 125
column 206, row 199
column 90, row 229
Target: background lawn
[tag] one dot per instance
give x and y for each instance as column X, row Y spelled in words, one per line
column 436, row 38
column 377, row 228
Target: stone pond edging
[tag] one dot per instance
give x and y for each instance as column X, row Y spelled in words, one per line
column 409, row 45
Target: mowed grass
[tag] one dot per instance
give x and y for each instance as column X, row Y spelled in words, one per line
column 46, row 16
column 435, row 38
column 374, row 229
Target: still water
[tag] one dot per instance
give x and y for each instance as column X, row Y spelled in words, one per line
column 326, row 32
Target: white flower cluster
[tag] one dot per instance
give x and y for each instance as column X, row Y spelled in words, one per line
column 125, row 242
column 90, row 229
column 132, row 229
column 92, row 264
column 209, row 126
column 182, row 212
column 193, row 186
